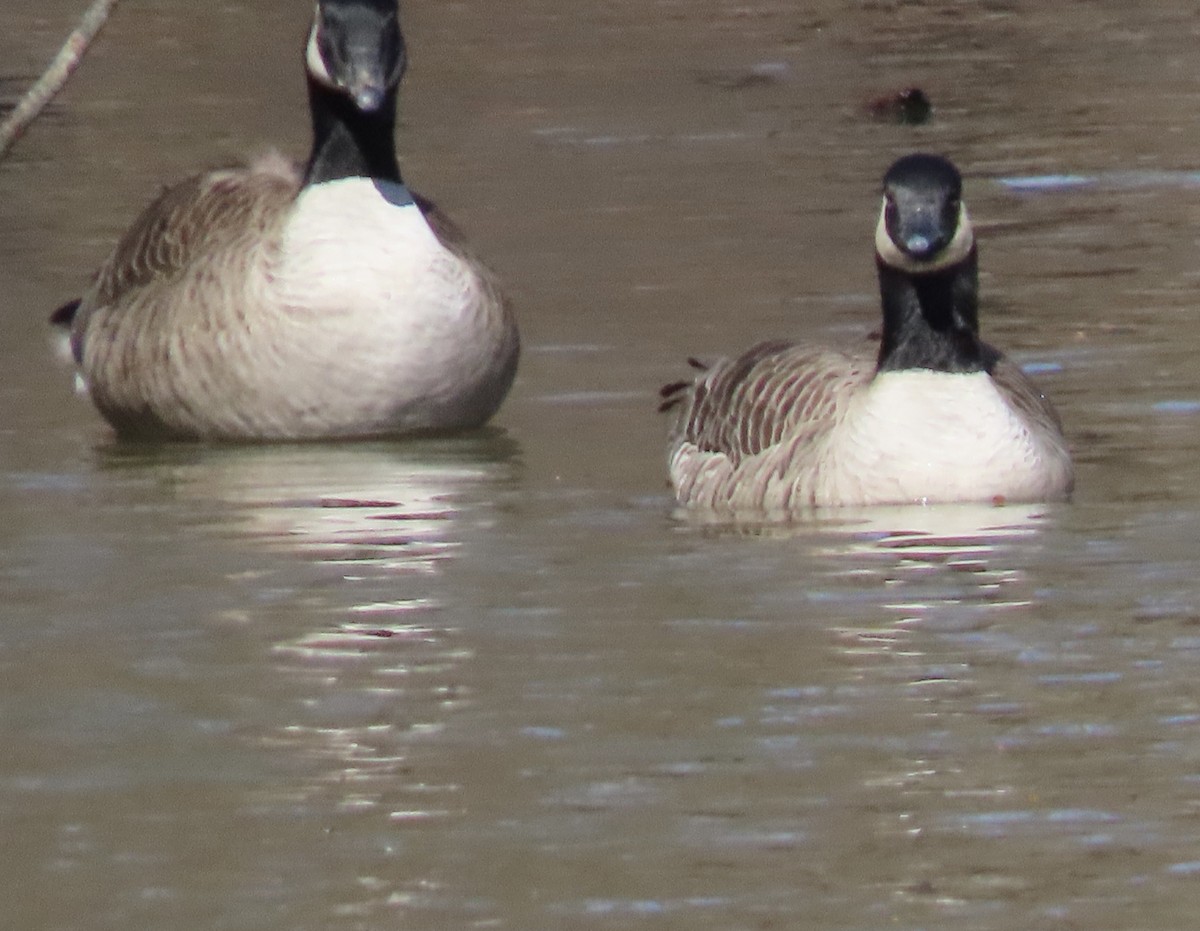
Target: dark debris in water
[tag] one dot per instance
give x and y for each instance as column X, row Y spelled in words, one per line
column 910, row 106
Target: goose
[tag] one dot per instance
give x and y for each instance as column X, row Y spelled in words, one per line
column 274, row 301
column 933, row 415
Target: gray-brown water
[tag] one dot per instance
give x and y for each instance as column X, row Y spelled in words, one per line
column 494, row 682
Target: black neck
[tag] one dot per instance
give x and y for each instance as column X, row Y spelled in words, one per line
column 348, row 143
column 931, row 321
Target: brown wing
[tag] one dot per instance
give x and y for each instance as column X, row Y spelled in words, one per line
column 451, row 236
column 742, row 406
column 1025, row 397
column 219, row 210
column 448, row 232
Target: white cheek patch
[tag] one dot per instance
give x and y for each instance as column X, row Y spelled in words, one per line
column 312, row 56
column 956, row 250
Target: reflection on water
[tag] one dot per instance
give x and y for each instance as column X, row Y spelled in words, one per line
column 1112, row 180
column 376, row 676
column 901, row 544
column 946, row 568
column 395, row 508
column 963, row 678
column 369, row 661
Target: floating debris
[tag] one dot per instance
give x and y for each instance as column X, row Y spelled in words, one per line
column 911, row 106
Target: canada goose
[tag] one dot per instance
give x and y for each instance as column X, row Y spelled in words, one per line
column 935, row 415
column 273, row 302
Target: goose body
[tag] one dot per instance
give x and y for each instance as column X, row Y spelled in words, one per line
column 270, row 302
column 933, row 414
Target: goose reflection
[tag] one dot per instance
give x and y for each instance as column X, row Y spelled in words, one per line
column 354, row 653
column 949, row 566
column 394, row 506
column 945, row 584
column 949, row 533
column 938, row 527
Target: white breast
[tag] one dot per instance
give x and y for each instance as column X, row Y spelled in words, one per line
column 400, row 329
column 932, row 436
column 360, row 246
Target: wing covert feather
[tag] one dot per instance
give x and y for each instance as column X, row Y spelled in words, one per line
column 745, row 405
column 206, row 215
column 1024, row 395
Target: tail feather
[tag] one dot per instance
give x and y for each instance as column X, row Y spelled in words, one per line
column 65, row 315
column 673, row 394
column 62, row 320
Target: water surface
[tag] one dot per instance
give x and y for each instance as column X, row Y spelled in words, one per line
column 495, row 681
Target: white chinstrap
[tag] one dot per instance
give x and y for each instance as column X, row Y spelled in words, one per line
column 955, row 251
column 312, row 55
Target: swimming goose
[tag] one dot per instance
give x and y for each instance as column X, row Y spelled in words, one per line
column 273, row 302
column 934, row 415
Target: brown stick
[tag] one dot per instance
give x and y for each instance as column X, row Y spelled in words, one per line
column 52, row 81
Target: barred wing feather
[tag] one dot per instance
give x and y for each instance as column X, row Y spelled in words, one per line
column 217, row 216
column 769, row 394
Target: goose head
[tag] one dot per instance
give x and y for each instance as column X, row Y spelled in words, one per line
column 355, row 50
column 923, row 225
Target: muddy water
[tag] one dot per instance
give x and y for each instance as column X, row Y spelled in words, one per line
column 494, row 682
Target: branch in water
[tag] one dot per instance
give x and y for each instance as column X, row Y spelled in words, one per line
column 52, row 81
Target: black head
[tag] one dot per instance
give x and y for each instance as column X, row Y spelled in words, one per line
column 923, row 226
column 355, row 49
column 928, row 271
